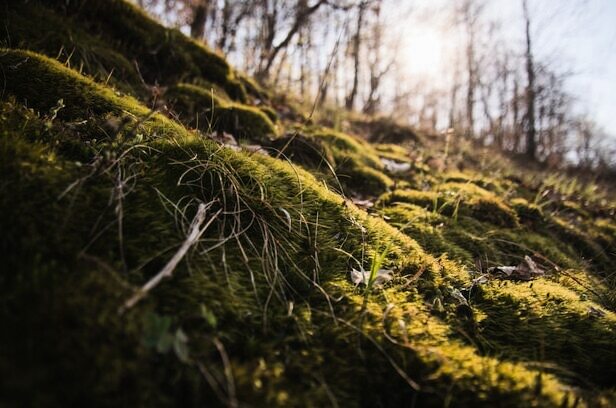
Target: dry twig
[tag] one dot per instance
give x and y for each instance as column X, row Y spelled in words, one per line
column 195, row 232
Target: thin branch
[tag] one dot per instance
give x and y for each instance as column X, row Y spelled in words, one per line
column 196, row 231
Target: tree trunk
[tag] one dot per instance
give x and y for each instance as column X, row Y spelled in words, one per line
column 516, row 115
column 301, row 18
column 455, row 87
column 197, row 25
column 350, row 100
column 531, row 142
column 470, row 93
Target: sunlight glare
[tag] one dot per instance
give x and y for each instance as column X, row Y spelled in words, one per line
column 424, row 51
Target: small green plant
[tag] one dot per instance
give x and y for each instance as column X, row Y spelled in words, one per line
column 159, row 335
column 456, row 208
column 375, row 267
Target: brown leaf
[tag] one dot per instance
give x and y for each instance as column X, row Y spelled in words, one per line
column 525, row 271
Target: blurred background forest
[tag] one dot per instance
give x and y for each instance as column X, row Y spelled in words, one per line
column 519, row 76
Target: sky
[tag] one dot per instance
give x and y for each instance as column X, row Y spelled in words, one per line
column 590, row 48
column 575, row 36
column 580, row 37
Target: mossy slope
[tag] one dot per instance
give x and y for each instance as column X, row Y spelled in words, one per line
column 97, row 194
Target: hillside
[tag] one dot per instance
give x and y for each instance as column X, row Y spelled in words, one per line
column 360, row 265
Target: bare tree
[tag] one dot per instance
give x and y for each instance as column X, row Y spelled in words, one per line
column 355, row 53
column 303, row 11
column 378, row 64
column 469, row 14
column 232, row 15
column 529, row 122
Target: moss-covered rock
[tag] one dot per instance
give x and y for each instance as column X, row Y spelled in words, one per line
column 73, row 97
column 208, row 110
column 356, row 163
column 528, row 212
column 386, row 130
column 456, row 199
column 114, row 37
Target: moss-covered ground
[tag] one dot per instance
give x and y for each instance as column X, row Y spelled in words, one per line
column 105, row 156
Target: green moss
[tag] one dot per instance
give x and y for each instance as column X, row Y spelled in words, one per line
column 118, row 32
column 580, row 242
column 356, row 163
column 270, row 112
column 97, row 195
column 205, row 109
column 493, row 210
column 69, row 42
column 392, row 152
column 344, row 144
column 27, row 76
column 423, row 199
column 455, row 199
column 305, row 150
column 246, row 122
column 386, row 130
column 488, row 183
column 528, row 212
column 253, row 88
column 362, row 179
column 543, row 320
column 341, row 160
column 429, row 229
column 224, row 287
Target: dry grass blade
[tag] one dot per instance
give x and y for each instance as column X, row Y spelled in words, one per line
column 196, row 231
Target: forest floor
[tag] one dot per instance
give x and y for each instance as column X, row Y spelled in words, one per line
column 174, row 234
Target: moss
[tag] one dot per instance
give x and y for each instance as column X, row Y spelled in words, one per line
column 544, row 320
column 120, row 32
column 457, row 200
column 71, row 43
column 493, row 210
column 27, row 76
column 305, row 150
column 268, row 285
column 258, row 370
column 253, row 88
column 205, row 109
column 270, row 113
column 386, row 130
column 392, row 152
column 355, row 164
column 481, row 204
column 581, row 243
column 246, row 122
column 487, row 183
column 528, row 212
column 423, row 199
column 363, row 179
column 429, row 229
column 346, row 145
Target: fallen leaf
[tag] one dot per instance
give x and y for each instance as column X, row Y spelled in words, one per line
column 595, row 312
column 525, row 271
column 225, row 139
column 255, row 149
column 459, row 297
column 362, row 203
column 480, row 280
column 362, row 277
column 394, row 167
